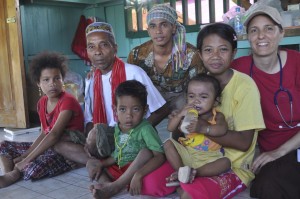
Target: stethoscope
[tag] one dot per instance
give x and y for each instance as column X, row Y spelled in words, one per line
column 281, row 89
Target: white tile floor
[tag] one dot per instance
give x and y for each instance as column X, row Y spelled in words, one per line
column 73, row 184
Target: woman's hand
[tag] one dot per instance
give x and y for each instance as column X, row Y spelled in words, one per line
column 264, row 158
column 196, row 125
column 136, row 185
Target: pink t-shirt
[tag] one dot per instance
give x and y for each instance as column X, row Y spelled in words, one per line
column 273, row 136
column 65, row 102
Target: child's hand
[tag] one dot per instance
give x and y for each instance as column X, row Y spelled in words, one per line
column 21, row 165
column 94, row 168
column 136, row 185
column 181, row 113
column 18, row 159
column 185, row 109
column 193, row 126
column 173, row 114
column 85, row 148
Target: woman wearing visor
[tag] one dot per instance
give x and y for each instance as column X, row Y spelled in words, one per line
column 277, row 74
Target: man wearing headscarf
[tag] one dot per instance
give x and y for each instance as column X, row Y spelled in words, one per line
column 109, row 72
column 167, row 59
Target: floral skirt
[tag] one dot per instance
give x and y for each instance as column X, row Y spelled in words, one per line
column 47, row 164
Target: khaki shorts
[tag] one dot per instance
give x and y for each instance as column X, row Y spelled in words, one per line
column 195, row 158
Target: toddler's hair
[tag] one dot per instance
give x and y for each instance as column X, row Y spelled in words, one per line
column 203, row 77
column 223, row 30
column 47, row 60
column 132, row 88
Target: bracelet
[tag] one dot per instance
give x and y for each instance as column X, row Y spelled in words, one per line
column 208, row 130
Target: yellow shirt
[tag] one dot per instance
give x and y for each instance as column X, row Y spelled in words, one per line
column 241, row 107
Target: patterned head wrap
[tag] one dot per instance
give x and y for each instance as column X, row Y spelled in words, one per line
column 168, row 13
column 99, row 27
column 161, row 11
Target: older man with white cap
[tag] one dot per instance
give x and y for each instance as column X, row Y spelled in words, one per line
column 276, row 72
column 109, row 72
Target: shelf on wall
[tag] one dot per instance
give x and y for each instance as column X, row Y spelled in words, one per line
column 70, row 57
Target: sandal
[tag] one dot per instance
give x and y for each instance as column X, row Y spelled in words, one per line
column 186, row 174
column 173, row 184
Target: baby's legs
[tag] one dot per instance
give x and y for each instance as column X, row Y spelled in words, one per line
column 6, row 164
column 72, row 151
column 172, row 155
column 174, row 159
column 113, row 188
column 214, row 168
column 10, row 178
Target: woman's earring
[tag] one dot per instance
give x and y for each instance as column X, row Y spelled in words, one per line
column 64, row 87
column 40, row 91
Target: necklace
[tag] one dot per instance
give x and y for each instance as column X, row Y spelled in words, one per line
column 120, row 148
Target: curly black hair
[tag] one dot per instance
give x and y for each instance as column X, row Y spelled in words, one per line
column 45, row 60
column 132, row 88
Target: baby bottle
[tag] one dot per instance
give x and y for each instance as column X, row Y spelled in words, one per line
column 192, row 114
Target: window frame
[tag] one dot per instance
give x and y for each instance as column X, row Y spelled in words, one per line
column 189, row 28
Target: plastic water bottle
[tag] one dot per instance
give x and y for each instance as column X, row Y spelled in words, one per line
column 192, row 114
column 238, row 25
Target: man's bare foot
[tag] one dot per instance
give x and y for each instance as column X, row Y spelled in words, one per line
column 6, row 164
column 105, row 190
column 9, row 178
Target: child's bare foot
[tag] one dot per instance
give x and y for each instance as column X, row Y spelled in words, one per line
column 185, row 174
column 173, row 177
column 6, row 164
column 105, row 190
column 9, row 178
column 172, row 180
